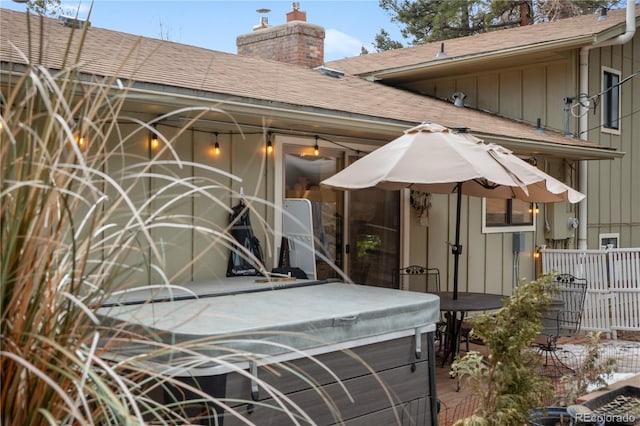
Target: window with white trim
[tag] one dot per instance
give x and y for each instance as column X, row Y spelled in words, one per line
column 610, row 100
column 610, row 239
column 507, row 215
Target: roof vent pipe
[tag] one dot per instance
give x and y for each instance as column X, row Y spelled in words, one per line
column 603, row 13
column 630, row 28
column 458, row 99
column 441, row 53
column 70, row 21
column 264, row 20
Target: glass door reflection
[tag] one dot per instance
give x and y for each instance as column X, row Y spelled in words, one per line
column 303, row 173
column 374, row 237
column 370, row 253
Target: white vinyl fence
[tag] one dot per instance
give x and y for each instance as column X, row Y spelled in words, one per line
column 613, row 277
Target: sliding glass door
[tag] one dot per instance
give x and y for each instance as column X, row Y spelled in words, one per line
column 303, row 173
column 373, row 251
column 370, row 219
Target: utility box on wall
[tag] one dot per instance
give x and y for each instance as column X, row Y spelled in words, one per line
column 518, row 242
column 561, row 222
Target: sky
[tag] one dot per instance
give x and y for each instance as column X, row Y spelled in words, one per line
column 215, row 24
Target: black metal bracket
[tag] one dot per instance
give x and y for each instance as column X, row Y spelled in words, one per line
column 255, row 391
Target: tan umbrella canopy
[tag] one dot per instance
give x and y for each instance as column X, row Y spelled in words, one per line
column 432, row 158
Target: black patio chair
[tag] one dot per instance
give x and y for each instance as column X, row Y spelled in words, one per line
column 562, row 319
column 419, row 277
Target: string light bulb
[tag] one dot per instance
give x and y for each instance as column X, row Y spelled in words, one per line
column 537, row 252
column 81, row 141
column 216, row 146
column 79, row 138
column 316, row 149
column 154, row 143
column 269, row 144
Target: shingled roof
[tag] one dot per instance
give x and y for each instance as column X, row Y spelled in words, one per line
column 562, row 34
column 167, row 67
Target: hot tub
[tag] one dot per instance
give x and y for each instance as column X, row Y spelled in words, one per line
column 366, row 352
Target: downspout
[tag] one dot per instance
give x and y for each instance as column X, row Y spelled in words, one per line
column 583, row 124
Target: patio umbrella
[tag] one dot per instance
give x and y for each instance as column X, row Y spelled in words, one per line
column 432, row 158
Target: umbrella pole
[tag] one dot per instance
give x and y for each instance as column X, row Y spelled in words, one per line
column 457, row 248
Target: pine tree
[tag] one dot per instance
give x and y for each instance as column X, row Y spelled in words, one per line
column 426, row 21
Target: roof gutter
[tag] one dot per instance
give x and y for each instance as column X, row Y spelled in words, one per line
column 237, row 105
column 536, row 147
column 384, row 128
column 472, row 58
column 583, row 124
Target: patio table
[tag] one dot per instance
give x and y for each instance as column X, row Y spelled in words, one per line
column 456, row 309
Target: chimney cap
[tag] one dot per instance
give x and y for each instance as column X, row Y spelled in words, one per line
column 295, row 14
column 264, row 20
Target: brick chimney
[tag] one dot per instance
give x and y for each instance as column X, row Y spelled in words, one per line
column 295, row 42
column 296, row 14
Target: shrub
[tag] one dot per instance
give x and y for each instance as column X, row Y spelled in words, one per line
column 505, row 380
